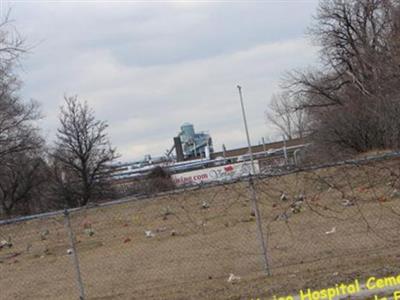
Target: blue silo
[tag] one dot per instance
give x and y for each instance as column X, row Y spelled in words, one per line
column 187, row 129
column 194, row 144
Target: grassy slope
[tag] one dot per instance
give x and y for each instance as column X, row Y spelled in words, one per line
column 119, row 262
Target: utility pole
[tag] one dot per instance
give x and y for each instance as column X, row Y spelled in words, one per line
column 256, row 209
column 264, row 148
column 285, row 150
column 253, row 169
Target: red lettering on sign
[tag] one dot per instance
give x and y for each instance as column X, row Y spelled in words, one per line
column 228, row 168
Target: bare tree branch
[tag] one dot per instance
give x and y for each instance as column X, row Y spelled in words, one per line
column 83, row 151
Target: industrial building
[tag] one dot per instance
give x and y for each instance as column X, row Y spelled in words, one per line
column 191, row 145
column 194, row 150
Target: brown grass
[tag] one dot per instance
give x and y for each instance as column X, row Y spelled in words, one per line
column 119, row 262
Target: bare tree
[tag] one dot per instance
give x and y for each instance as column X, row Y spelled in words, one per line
column 18, row 132
column 356, row 38
column 17, row 128
column 354, row 98
column 283, row 114
column 21, row 177
column 83, row 152
column 20, row 142
column 12, row 44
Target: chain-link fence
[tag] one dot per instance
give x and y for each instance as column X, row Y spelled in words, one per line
column 319, row 226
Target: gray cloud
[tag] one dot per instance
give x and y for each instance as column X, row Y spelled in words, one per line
column 147, row 68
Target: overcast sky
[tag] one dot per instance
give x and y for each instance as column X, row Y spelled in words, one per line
column 147, row 67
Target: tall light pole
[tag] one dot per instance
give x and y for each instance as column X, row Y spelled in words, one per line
column 253, row 169
column 256, row 209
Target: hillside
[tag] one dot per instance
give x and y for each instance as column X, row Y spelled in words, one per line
column 346, row 227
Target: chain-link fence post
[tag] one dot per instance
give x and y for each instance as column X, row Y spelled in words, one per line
column 252, row 189
column 260, row 233
column 74, row 255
